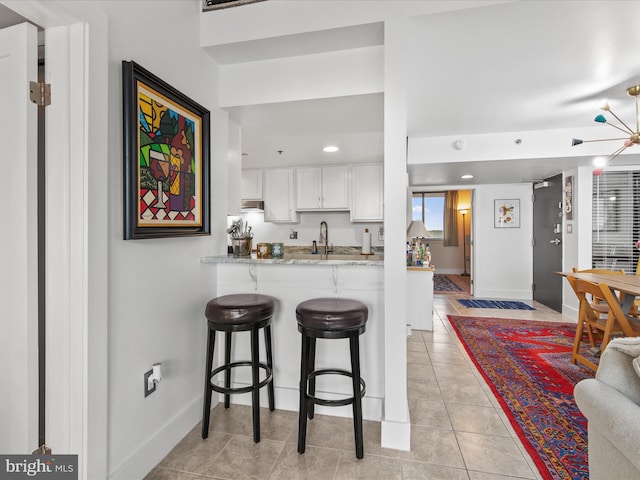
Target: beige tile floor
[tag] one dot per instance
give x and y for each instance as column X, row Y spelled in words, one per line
column 458, row 430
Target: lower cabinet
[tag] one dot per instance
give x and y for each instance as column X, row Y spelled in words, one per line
column 420, row 297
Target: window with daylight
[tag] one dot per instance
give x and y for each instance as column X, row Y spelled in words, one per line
column 616, row 220
column 429, row 207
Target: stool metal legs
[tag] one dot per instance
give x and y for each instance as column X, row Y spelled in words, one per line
column 308, row 387
column 255, row 380
column 267, row 346
column 357, row 396
column 211, row 340
column 304, row 401
column 256, row 384
column 227, row 361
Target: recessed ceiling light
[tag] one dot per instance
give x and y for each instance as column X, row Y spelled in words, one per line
column 330, row 149
column 466, row 176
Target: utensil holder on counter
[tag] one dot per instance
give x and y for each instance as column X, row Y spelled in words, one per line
column 241, row 246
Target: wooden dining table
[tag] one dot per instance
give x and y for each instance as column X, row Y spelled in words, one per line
column 627, row 285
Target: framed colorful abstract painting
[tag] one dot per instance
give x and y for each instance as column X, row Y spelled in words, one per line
column 166, row 159
column 506, row 213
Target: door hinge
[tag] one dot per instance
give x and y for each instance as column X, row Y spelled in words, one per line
column 533, row 287
column 533, row 242
column 40, row 93
column 42, row 450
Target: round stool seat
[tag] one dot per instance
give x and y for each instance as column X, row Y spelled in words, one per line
column 332, row 314
column 238, row 310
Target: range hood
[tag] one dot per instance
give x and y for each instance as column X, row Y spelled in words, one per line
column 252, row 206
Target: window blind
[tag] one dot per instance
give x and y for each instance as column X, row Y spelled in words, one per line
column 616, row 220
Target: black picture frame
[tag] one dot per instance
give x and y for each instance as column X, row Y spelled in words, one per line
column 166, row 142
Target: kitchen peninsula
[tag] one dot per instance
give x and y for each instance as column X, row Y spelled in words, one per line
column 291, row 280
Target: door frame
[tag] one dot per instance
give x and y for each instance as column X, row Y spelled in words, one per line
column 76, row 230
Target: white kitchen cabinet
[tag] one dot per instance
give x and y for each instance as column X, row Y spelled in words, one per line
column 279, row 195
column 322, row 188
column 251, row 184
column 367, row 193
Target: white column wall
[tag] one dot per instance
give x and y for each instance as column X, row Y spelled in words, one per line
column 396, row 429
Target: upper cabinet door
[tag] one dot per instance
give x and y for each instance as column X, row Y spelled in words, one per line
column 251, row 184
column 309, row 188
column 335, row 188
column 279, row 196
column 322, row 188
column 367, row 193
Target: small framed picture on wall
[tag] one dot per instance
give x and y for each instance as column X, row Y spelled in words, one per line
column 506, row 213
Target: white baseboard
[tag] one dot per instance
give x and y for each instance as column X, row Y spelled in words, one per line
column 396, row 435
column 143, row 460
column 525, row 295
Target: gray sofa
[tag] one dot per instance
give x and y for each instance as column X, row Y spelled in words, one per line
column 611, row 404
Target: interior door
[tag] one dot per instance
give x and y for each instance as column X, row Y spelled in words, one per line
column 547, row 242
column 18, row 242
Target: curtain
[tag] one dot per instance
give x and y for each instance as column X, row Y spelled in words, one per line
column 451, row 219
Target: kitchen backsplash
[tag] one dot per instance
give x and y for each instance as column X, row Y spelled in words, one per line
column 341, row 231
column 337, row 250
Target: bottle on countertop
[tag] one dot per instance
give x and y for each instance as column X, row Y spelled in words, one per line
column 314, row 247
column 409, row 255
column 427, row 256
column 416, row 252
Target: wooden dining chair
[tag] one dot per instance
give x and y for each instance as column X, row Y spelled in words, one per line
column 598, row 305
column 613, row 321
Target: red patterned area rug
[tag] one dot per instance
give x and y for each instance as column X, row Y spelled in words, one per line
column 526, row 364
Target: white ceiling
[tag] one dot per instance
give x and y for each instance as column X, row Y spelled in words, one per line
column 8, row 17
column 509, row 67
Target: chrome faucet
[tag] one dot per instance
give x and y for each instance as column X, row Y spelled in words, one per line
column 324, row 237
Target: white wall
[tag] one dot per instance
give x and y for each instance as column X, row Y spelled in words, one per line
column 503, row 257
column 157, row 288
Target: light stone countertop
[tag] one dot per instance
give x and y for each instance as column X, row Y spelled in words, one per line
column 301, row 259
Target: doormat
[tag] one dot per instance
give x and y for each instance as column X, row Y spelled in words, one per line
column 527, row 365
column 502, row 304
column 442, row 283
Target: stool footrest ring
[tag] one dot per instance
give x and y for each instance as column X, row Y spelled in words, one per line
column 247, row 389
column 333, row 403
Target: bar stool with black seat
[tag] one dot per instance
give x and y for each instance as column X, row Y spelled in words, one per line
column 330, row 318
column 239, row 313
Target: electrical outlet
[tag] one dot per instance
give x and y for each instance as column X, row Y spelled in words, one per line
column 147, row 389
column 293, row 235
column 381, row 233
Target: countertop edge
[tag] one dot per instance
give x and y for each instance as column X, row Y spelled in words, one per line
column 421, row 269
column 288, row 261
